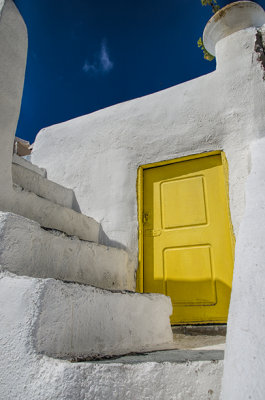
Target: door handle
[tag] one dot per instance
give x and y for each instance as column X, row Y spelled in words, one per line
column 145, row 217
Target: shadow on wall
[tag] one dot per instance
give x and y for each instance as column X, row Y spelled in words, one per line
column 75, row 204
column 102, row 237
column 106, row 241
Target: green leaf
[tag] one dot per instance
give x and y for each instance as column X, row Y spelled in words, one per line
column 206, row 54
column 212, row 3
column 199, row 42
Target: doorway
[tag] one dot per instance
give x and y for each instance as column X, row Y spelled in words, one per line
column 186, row 243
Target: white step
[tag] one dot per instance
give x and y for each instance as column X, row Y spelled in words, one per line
column 47, row 315
column 27, row 164
column 74, row 320
column 51, row 215
column 89, row 322
column 27, row 249
column 32, row 181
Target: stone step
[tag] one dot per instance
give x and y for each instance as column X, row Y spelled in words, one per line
column 40, row 317
column 27, row 164
column 161, row 356
column 163, row 375
column 51, row 215
column 27, row 249
column 81, row 321
column 33, row 181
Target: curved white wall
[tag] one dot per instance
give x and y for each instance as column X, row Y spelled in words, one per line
column 2, row 2
column 13, row 54
column 245, row 349
column 98, row 154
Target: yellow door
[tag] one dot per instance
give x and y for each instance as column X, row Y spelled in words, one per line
column 187, row 238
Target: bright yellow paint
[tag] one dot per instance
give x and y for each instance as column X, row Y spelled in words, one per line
column 185, row 236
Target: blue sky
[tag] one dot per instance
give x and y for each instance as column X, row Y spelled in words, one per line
column 85, row 55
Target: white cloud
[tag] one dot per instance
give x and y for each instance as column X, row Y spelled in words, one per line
column 101, row 62
column 88, row 67
column 105, row 62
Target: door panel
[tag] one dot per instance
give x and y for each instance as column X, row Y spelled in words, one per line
column 177, row 200
column 188, row 275
column 187, row 245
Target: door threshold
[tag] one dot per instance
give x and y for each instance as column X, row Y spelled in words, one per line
column 199, row 337
column 209, row 329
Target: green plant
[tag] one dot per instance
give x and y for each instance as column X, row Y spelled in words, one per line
column 206, row 54
column 215, row 8
column 212, row 3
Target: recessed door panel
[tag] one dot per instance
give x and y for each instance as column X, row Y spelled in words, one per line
column 183, row 202
column 188, row 275
column 187, row 238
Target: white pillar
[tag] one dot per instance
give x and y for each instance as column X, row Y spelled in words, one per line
column 13, row 55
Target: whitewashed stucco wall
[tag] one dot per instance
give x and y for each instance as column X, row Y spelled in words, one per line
column 245, row 348
column 98, row 154
column 13, row 55
column 1, row 5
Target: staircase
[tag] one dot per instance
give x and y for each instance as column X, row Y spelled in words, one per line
column 68, row 309
column 34, row 179
column 49, row 204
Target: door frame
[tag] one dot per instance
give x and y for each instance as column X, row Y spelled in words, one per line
column 140, row 202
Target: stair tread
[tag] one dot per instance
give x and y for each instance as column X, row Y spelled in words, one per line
column 27, row 164
column 82, row 321
column 29, row 250
column 161, row 356
column 32, row 181
column 53, row 216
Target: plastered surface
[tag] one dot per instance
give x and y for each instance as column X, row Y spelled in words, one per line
column 26, row 249
column 70, row 320
column 245, row 348
column 81, row 321
column 43, row 187
column 101, row 167
column 2, row 2
column 13, row 51
column 27, row 375
column 100, row 152
column 26, row 164
column 231, row 18
column 52, row 215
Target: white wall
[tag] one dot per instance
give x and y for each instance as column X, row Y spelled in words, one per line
column 2, row 2
column 98, row 154
column 28, row 250
column 13, row 53
column 28, row 375
column 245, row 348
